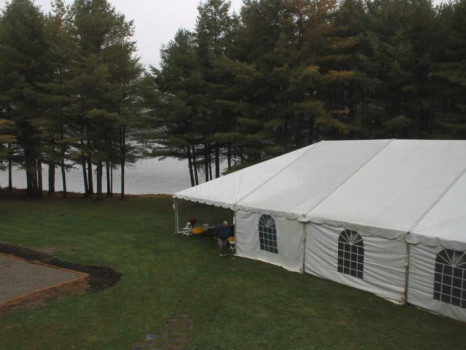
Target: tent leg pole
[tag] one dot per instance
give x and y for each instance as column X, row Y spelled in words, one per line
column 304, row 248
column 405, row 296
column 175, row 208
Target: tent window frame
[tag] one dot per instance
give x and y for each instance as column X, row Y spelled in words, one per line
column 351, row 254
column 268, row 234
column 450, row 277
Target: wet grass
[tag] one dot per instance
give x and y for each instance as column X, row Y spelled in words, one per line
column 176, row 291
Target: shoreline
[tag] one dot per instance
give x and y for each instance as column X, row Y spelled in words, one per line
column 20, row 194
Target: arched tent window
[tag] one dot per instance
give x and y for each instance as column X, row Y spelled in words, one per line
column 450, row 277
column 268, row 234
column 351, row 253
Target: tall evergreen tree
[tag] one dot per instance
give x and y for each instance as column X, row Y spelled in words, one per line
column 57, row 99
column 24, row 64
column 401, row 35
column 179, row 104
column 450, row 72
column 213, row 36
column 104, row 67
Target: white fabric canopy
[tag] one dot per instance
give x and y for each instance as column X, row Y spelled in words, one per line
column 228, row 190
column 445, row 224
column 370, row 185
column 303, row 184
column 405, row 198
column 396, row 188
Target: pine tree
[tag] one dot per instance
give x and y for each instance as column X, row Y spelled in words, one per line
column 24, row 65
column 213, row 36
column 401, row 35
column 57, row 99
column 179, row 102
column 103, row 70
column 450, row 73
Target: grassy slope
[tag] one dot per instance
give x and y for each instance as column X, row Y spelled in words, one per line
column 232, row 304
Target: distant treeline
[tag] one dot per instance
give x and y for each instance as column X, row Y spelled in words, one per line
column 240, row 88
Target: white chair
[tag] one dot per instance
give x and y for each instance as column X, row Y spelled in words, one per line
column 188, row 229
column 232, row 245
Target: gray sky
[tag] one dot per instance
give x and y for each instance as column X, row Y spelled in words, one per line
column 155, row 21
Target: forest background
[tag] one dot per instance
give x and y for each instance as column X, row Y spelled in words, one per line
column 238, row 89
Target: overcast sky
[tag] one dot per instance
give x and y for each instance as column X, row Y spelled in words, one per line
column 155, row 21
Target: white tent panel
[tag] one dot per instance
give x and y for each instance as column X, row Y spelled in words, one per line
column 445, row 224
column 305, row 183
column 384, row 261
column 227, row 190
column 421, row 283
column 393, row 191
column 290, row 237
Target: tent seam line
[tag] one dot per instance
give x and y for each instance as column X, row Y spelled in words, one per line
column 276, row 174
column 348, row 178
column 439, row 198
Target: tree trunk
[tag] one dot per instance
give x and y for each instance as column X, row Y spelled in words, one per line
column 217, row 161
column 39, row 178
column 111, row 181
column 63, row 179
column 51, row 178
column 229, row 155
column 30, row 163
column 196, row 175
column 84, row 166
column 63, row 168
column 10, row 169
column 206, row 162
column 122, row 160
column 109, row 185
column 86, row 185
column 210, row 166
column 90, row 181
column 99, row 181
column 190, row 167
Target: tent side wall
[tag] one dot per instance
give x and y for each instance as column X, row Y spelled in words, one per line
column 421, row 282
column 289, row 238
column 383, row 271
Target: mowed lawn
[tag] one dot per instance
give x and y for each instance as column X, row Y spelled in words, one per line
column 230, row 303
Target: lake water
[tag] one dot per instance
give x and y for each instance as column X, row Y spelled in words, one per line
column 148, row 176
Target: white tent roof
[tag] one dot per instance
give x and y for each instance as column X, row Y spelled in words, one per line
column 387, row 187
column 304, row 183
column 229, row 190
column 445, row 223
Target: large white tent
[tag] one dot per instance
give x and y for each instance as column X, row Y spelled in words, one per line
column 385, row 216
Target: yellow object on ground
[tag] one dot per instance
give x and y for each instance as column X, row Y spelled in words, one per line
column 198, row 230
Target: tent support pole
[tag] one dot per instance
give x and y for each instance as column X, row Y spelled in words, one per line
column 175, row 208
column 405, row 296
column 304, row 248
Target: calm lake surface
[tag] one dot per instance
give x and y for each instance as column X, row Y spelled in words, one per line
column 148, row 176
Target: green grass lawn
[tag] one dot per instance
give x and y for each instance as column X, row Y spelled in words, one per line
column 178, row 286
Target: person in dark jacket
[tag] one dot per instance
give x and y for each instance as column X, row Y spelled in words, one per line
column 222, row 232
